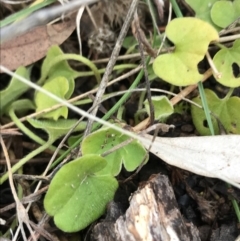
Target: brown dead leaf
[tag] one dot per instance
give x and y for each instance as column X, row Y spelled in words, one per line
column 32, row 46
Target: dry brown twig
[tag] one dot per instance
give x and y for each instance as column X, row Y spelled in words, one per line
column 22, row 214
column 112, row 62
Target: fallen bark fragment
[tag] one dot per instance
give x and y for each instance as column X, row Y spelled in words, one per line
column 153, row 215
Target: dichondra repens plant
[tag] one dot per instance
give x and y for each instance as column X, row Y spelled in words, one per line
column 191, row 37
column 81, row 189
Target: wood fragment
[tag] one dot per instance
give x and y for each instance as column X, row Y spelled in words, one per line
column 153, row 215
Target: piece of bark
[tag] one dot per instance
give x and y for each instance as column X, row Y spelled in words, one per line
column 153, row 215
column 104, row 231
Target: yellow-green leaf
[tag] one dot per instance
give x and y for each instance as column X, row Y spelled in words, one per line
column 191, row 37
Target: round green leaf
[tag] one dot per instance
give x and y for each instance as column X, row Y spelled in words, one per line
column 77, row 195
column 162, row 107
column 225, row 61
column 58, row 86
column 202, row 9
column 223, row 13
column 130, row 155
column 227, row 111
column 191, row 37
column 61, row 68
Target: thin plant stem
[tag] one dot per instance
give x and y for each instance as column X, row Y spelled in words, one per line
column 205, row 107
column 229, row 94
column 176, row 9
column 24, row 12
column 28, row 132
column 25, row 160
column 76, row 57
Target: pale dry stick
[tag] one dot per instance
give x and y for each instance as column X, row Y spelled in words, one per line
column 30, row 198
column 124, row 76
column 165, row 36
column 121, row 57
column 22, row 214
column 190, row 88
column 38, row 18
column 160, row 5
column 212, row 65
column 111, row 63
column 139, row 35
column 16, row 2
column 153, row 17
column 78, row 20
column 152, row 89
column 129, row 56
column 92, row 18
column 227, row 31
column 175, row 100
column 230, row 27
column 229, row 38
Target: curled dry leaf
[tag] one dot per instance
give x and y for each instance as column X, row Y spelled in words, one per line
column 211, row 156
column 32, row 46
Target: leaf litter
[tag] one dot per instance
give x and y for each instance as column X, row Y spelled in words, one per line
column 32, row 46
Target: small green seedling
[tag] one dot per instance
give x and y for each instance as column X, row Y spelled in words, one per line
column 226, row 109
column 162, row 107
column 130, row 155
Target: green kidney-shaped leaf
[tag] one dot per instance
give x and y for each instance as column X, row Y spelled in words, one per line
column 58, row 86
column 61, row 68
column 227, row 111
column 223, row 13
column 191, row 37
column 226, row 60
column 15, row 89
column 162, row 107
column 56, row 129
column 78, row 195
column 130, row 155
column 202, row 9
